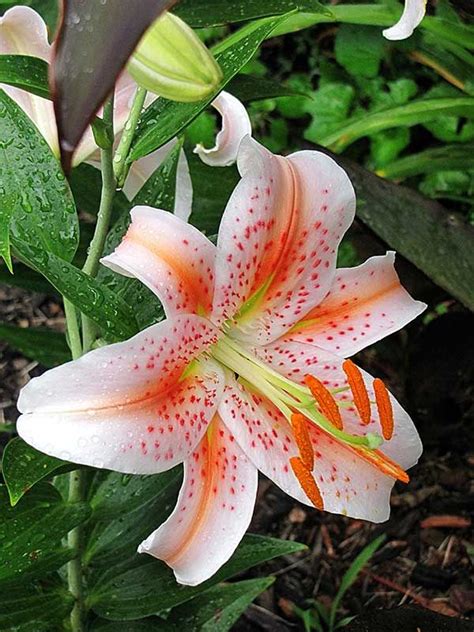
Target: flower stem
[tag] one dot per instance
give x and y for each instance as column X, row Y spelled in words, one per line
column 121, row 155
column 96, row 248
column 72, row 324
column 74, row 568
column 77, row 482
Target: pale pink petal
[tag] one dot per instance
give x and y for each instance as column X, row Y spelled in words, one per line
column 235, row 126
column 142, row 169
column 278, row 239
column 348, row 485
column 264, row 435
column 169, row 256
column 413, row 13
column 213, row 511
column 295, row 359
column 364, row 305
column 23, row 32
column 127, row 407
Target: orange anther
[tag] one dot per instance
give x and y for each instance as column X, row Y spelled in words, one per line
column 326, row 402
column 303, row 440
column 359, row 390
column 384, row 407
column 307, row 482
column 383, row 463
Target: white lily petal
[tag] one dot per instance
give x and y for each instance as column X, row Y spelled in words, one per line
column 413, row 13
column 24, row 32
column 235, row 126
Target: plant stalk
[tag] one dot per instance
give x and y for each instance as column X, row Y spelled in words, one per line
column 120, row 160
column 77, row 482
column 96, row 248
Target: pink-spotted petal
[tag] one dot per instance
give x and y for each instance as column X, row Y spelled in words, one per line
column 295, row 360
column 278, row 239
column 24, row 32
column 169, row 256
column 127, row 407
column 264, row 435
column 348, row 485
column 235, row 126
column 364, row 305
column 213, row 511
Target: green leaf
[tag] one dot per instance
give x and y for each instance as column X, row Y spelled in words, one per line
column 329, row 108
column 211, row 190
column 31, row 533
column 23, row 466
column 86, row 186
column 47, row 347
column 216, row 609
column 34, row 610
column 27, row 73
column 130, row 592
column 113, row 315
column 359, row 49
column 414, row 113
column 351, row 575
column 449, row 157
column 386, row 145
column 250, row 88
column 164, row 119
column 201, row 13
column 151, row 624
column 36, row 204
column 126, row 509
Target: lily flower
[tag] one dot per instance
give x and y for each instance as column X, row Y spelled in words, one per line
column 413, row 13
column 250, row 371
column 24, row 32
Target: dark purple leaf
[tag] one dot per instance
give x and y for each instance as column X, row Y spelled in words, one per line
column 95, row 39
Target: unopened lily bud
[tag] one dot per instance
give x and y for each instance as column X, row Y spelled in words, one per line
column 171, row 61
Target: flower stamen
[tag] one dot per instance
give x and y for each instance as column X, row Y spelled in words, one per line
column 325, row 400
column 307, row 482
column 358, row 389
column 384, row 408
column 382, row 462
column 303, row 440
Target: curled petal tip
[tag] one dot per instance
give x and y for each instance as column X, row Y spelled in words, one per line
column 412, row 15
column 235, row 126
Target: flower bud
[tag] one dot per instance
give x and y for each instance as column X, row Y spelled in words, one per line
column 171, row 61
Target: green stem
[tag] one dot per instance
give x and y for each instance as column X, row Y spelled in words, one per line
column 121, row 155
column 74, row 568
column 96, row 248
column 76, row 487
column 72, row 324
column 77, row 483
